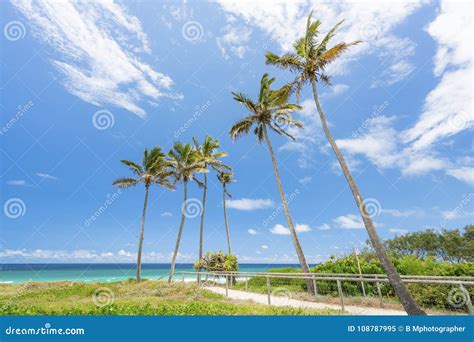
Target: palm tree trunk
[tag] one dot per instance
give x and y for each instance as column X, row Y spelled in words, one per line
column 180, row 231
column 294, row 236
column 225, row 221
column 410, row 305
column 140, row 240
column 201, row 231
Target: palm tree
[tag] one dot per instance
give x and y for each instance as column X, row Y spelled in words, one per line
column 271, row 111
column 185, row 162
column 154, row 169
column 309, row 61
column 226, row 178
column 209, row 158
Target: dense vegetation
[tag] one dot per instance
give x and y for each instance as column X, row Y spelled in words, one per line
column 128, row 298
column 412, row 259
column 446, row 245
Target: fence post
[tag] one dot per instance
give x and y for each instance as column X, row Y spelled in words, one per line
column 341, row 295
column 315, row 286
column 226, row 285
column 379, row 291
column 182, row 280
column 246, row 284
column 268, row 290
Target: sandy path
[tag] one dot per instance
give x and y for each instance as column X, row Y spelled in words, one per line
column 284, row 301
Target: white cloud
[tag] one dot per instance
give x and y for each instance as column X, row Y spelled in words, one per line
column 349, row 221
column 284, row 22
column 264, row 247
column 248, row 204
column 46, row 176
column 98, row 43
column 18, row 182
column 305, row 180
column 323, row 226
column 398, row 231
column 252, row 231
column 279, row 229
column 167, row 213
column 400, row 213
column 335, row 90
column 234, row 40
column 464, row 174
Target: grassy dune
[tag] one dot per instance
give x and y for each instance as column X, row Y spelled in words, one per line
column 128, row 298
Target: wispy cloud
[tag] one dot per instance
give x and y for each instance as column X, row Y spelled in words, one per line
column 46, row 176
column 323, row 226
column 167, row 213
column 279, row 229
column 248, row 204
column 349, row 221
column 98, row 45
column 18, row 182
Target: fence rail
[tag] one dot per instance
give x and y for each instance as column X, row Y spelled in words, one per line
column 338, row 278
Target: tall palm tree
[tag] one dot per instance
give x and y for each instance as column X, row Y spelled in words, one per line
column 154, row 169
column 185, row 162
column 226, row 178
column 210, row 158
column 274, row 112
column 309, row 61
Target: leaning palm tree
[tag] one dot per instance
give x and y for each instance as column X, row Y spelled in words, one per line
column 226, row 178
column 185, row 162
column 309, row 61
column 210, row 158
column 272, row 111
column 154, row 169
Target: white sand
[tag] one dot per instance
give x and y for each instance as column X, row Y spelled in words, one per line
column 295, row 303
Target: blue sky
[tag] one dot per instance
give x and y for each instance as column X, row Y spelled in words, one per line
column 85, row 85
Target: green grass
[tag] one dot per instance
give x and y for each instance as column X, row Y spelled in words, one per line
column 129, row 298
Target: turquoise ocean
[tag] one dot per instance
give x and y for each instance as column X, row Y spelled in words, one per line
column 19, row 273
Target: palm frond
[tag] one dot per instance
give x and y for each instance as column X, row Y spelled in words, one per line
column 135, row 168
column 247, row 102
column 242, row 127
column 126, row 182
